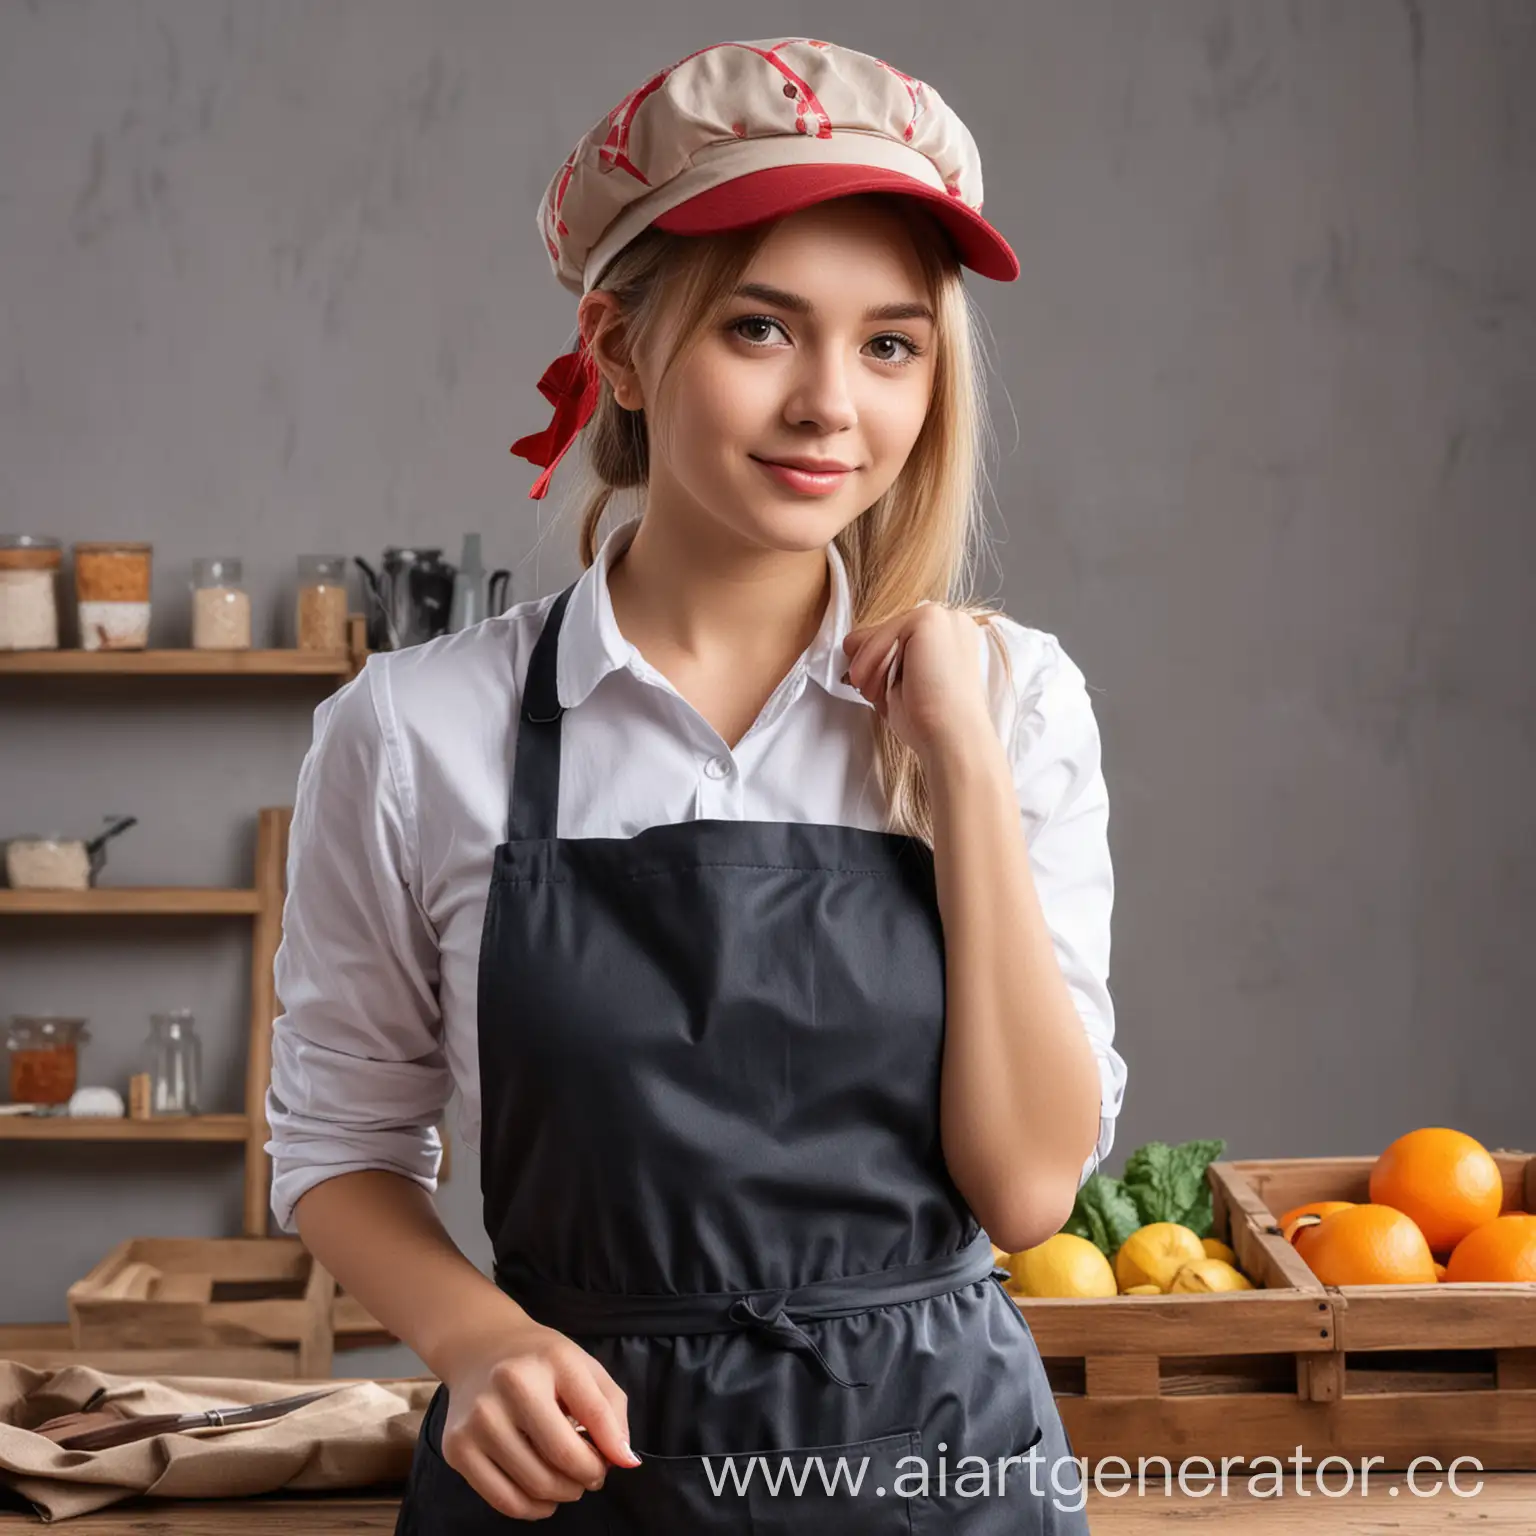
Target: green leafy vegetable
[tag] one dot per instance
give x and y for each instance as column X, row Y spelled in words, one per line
column 1161, row 1183
column 1104, row 1213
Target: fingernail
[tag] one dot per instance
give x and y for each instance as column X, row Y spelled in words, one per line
column 628, row 1452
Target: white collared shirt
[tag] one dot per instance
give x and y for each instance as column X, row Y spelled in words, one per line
column 402, row 800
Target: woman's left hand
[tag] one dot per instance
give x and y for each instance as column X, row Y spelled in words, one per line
column 922, row 672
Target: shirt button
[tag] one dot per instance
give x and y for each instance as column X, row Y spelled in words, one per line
column 718, row 767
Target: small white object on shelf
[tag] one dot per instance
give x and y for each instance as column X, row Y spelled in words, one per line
column 103, row 1102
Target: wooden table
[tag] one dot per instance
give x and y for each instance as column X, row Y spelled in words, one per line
column 1506, row 1506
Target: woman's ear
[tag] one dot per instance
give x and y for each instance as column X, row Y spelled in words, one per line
column 602, row 328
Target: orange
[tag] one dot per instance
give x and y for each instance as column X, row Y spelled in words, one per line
column 1501, row 1249
column 1444, row 1179
column 1439, row 1270
column 1288, row 1222
column 1367, row 1245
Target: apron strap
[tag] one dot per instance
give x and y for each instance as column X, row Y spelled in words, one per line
column 772, row 1315
column 535, row 799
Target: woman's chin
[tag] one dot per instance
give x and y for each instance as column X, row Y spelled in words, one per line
column 792, row 522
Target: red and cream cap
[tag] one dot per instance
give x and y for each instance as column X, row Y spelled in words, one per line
column 735, row 134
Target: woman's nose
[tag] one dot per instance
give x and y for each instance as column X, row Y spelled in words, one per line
column 822, row 395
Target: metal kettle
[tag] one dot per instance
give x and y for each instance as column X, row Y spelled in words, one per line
column 408, row 600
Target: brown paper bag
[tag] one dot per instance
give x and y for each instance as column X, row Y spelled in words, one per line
column 362, row 1435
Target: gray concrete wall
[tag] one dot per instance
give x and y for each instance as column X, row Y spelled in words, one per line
column 1266, row 403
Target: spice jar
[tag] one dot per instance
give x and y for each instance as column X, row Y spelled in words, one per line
column 29, row 607
column 112, row 589
column 175, row 1063
column 320, row 618
column 45, row 1057
column 221, row 607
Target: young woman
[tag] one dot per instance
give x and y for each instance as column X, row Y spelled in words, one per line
column 753, row 889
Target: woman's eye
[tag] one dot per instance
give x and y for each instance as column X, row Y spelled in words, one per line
column 900, row 341
column 913, row 351
column 754, row 320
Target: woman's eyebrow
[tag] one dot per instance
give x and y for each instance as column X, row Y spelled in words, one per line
column 765, row 293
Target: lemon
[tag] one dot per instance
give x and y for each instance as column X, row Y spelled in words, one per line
column 1064, row 1265
column 1141, row 1290
column 1218, row 1250
column 1203, row 1276
column 1154, row 1254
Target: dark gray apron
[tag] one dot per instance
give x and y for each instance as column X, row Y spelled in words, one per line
column 709, row 1074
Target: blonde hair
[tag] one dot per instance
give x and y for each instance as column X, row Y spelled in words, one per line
column 921, row 539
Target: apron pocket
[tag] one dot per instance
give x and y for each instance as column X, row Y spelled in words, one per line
column 440, row 1501
column 995, row 1501
column 849, row 1488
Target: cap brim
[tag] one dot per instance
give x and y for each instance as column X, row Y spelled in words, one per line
column 782, row 189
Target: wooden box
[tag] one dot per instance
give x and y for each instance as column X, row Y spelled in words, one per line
column 1387, row 1371
column 1239, row 1374
column 1424, row 1370
column 263, row 1297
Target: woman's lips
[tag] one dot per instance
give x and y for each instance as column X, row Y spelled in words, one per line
column 807, row 482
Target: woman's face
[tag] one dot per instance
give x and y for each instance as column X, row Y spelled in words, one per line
column 825, row 353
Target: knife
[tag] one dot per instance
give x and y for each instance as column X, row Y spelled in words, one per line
column 169, row 1423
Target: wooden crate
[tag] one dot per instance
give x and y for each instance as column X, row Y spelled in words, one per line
column 51, row 1345
column 260, row 1296
column 1388, row 1371
column 1431, row 1370
column 1241, row 1374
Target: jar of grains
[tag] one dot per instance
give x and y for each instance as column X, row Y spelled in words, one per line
column 320, row 618
column 29, row 606
column 221, row 607
column 112, row 588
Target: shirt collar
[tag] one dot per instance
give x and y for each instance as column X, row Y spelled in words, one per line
column 591, row 645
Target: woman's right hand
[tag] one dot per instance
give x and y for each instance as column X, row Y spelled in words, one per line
column 509, row 1431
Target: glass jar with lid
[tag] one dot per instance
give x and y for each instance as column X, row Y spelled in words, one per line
column 221, row 606
column 112, row 590
column 175, row 1063
column 44, row 1051
column 320, row 617
column 29, row 601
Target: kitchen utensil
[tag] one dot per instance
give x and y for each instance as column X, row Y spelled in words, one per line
column 54, row 863
column 409, row 599
column 475, row 595
column 112, row 1429
column 93, row 849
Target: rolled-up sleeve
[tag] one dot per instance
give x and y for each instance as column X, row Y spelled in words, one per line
column 1059, row 780
column 359, row 1078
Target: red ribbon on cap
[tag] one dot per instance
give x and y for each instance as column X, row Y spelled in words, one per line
column 570, row 384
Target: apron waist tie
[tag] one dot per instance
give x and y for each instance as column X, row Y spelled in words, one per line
column 772, row 1315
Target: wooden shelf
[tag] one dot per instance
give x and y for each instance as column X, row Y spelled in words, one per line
column 177, row 663
column 134, row 900
column 234, row 1128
